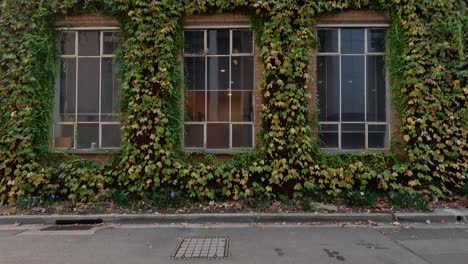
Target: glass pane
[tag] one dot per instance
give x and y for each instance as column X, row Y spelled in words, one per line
column 352, row 88
column 88, row 89
column 195, row 106
column 242, row 41
column 376, row 40
column 352, row 40
column 378, row 136
column 242, row 73
column 353, row 136
column 328, row 136
column 193, row 136
column 110, row 88
column 110, row 136
column 218, row 41
column 67, row 91
column 217, row 136
column 63, row 136
column 242, row 136
column 67, row 43
column 376, row 89
column 328, row 87
column 218, row 106
column 328, row 40
column 88, row 43
column 218, row 73
column 194, row 73
column 88, row 136
column 110, row 43
column 242, row 106
column 194, row 42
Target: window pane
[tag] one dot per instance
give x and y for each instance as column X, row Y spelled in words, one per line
column 352, row 88
column 88, row 89
column 67, row 43
column 194, row 72
column 88, row 43
column 110, row 89
column 195, row 106
column 88, row 136
column 353, row 136
column 217, row 136
column 376, row 40
column 242, row 106
column 376, row 89
column 218, row 41
column 328, row 86
column 194, row 42
column 378, row 136
column 63, row 136
column 110, row 42
column 352, row 40
column 218, row 106
column 242, row 136
column 242, row 73
column 328, row 40
column 193, row 136
column 110, row 136
column 242, row 41
column 218, row 73
column 67, row 91
column 328, row 136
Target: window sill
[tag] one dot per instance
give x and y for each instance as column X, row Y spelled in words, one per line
column 86, row 151
column 218, row 151
column 353, row 151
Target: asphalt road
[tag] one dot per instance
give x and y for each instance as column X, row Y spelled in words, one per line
column 248, row 243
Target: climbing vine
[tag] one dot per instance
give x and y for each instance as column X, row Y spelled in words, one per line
column 427, row 60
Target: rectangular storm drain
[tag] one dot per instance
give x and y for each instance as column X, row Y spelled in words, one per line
column 202, row 248
column 67, row 228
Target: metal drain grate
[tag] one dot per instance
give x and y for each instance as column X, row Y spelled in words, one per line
column 202, row 248
column 67, row 228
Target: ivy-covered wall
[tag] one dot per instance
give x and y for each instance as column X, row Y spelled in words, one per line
column 427, row 60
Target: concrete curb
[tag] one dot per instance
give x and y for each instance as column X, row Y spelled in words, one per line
column 443, row 215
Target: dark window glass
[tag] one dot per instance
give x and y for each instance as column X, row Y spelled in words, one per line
column 110, row 42
column 193, row 135
column 218, row 73
column 353, row 136
column 242, row 136
column 352, row 40
column 63, row 136
column 242, row 41
column 194, row 72
column 242, row 106
column 111, row 136
column 218, row 42
column 195, row 106
column 242, row 73
column 376, row 92
column 218, row 106
column 327, row 40
column 67, row 43
column 217, row 136
column 377, row 137
column 88, row 89
column 110, row 90
column 88, row 43
column 88, row 136
column 67, row 94
column 352, row 88
column 376, row 40
column 328, row 86
column 328, row 136
column 194, row 42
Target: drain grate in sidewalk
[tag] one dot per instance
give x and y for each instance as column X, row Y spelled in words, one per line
column 202, row 248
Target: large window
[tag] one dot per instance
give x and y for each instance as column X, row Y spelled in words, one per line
column 352, row 90
column 219, row 85
column 87, row 112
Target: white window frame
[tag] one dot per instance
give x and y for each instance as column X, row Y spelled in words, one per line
column 75, row 56
column 205, row 28
column 366, row 123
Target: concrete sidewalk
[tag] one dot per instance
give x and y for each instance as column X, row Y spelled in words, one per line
column 437, row 216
